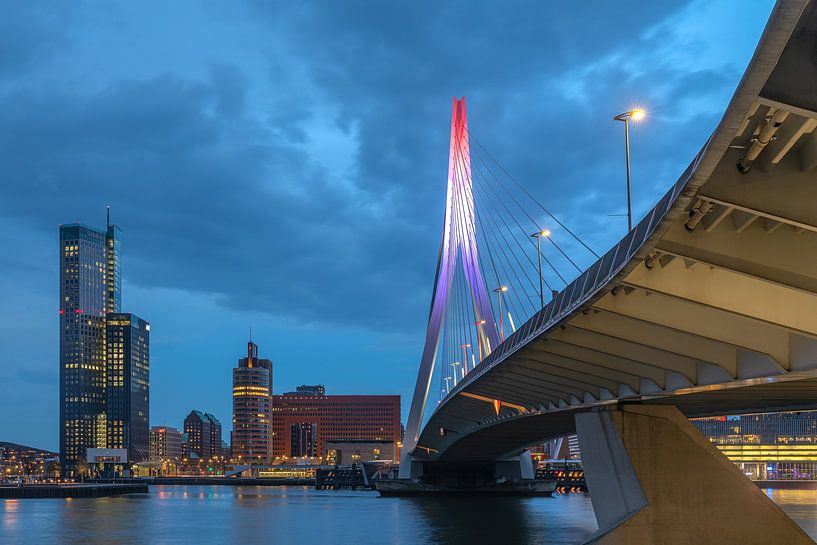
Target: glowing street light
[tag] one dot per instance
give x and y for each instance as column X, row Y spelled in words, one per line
column 636, row 115
column 499, row 291
column 447, row 385
column 538, row 236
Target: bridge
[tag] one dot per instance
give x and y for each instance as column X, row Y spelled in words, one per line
column 708, row 306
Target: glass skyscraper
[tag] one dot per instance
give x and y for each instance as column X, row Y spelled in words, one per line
column 128, row 384
column 90, row 287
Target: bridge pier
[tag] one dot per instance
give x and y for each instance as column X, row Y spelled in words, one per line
column 654, row 478
column 469, row 476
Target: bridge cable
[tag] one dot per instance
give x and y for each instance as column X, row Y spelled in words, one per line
column 562, row 225
column 525, row 212
column 502, row 248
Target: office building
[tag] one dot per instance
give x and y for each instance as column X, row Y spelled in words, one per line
column 203, row 435
column 773, row 446
column 89, row 288
column 303, row 421
column 128, row 384
column 252, row 407
column 165, row 444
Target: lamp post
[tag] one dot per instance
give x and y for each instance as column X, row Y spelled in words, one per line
column 499, row 291
column 454, row 364
column 465, row 348
column 636, row 115
column 479, row 337
column 538, row 236
column 447, row 385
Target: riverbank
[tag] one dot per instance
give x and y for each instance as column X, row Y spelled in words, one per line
column 229, row 481
column 75, row 490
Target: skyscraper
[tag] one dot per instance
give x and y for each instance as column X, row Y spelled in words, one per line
column 252, row 406
column 90, row 287
column 128, row 384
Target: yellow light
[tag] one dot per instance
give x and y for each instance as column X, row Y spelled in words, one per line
column 503, row 288
column 637, row 114
column 545, row 233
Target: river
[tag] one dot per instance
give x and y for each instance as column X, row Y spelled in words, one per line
column 195, row 515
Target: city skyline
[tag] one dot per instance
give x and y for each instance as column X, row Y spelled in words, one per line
column 191, row 263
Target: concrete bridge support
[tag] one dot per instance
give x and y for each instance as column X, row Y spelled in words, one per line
column 653, row 478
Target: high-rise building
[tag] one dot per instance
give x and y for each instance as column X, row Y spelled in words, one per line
column 90, row 287
column 128, row 384
column 203, row 434
column 252, row 406
column 304, row 421
column 165, row 444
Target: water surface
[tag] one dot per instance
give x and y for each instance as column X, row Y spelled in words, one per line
column 194, row 515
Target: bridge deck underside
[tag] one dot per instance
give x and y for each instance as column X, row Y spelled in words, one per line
column 492, row 442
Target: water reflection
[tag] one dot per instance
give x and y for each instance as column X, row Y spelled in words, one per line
column 281, row 516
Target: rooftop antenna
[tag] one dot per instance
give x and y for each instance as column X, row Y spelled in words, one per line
column 108, row 216
column 250, row 333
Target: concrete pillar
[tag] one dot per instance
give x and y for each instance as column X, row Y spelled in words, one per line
column 654, row 478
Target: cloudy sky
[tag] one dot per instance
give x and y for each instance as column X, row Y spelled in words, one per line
column 282, row 165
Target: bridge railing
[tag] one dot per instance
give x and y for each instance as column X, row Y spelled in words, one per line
column 587, row 284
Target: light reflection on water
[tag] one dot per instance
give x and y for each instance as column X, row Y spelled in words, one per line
column 299, row 515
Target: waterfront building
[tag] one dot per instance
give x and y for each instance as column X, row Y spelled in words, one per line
column 203, row 434
column 773, row 446
column 90, row 287
column 24, row 460
column 165, row 444
column 334, row 417
column 350, row 452
column 252, row 407
column 128, row 384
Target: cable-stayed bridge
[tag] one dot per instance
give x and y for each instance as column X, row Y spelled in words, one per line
column 708, row 306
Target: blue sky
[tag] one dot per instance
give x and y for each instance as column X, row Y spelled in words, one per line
column 283, row 165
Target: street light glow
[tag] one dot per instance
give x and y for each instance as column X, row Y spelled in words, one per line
column 637, row 114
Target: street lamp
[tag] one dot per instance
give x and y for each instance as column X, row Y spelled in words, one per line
column 447, row 385
column 636, row 115
column 479, row 337
column 454, row 364
column 465, row 348
column 538, row 236
column 499, row 291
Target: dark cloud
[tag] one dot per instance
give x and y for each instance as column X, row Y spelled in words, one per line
column 289, row 159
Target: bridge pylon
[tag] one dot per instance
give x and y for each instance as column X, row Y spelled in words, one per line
column 458, row 245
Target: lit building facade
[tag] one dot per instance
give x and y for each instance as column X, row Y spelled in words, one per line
column 351, row 452
column 165, row 444
column 774, row 446
column 128, row 384
column 252, row 407
column 203, row 435
column 90, row 287
column 297, row 415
